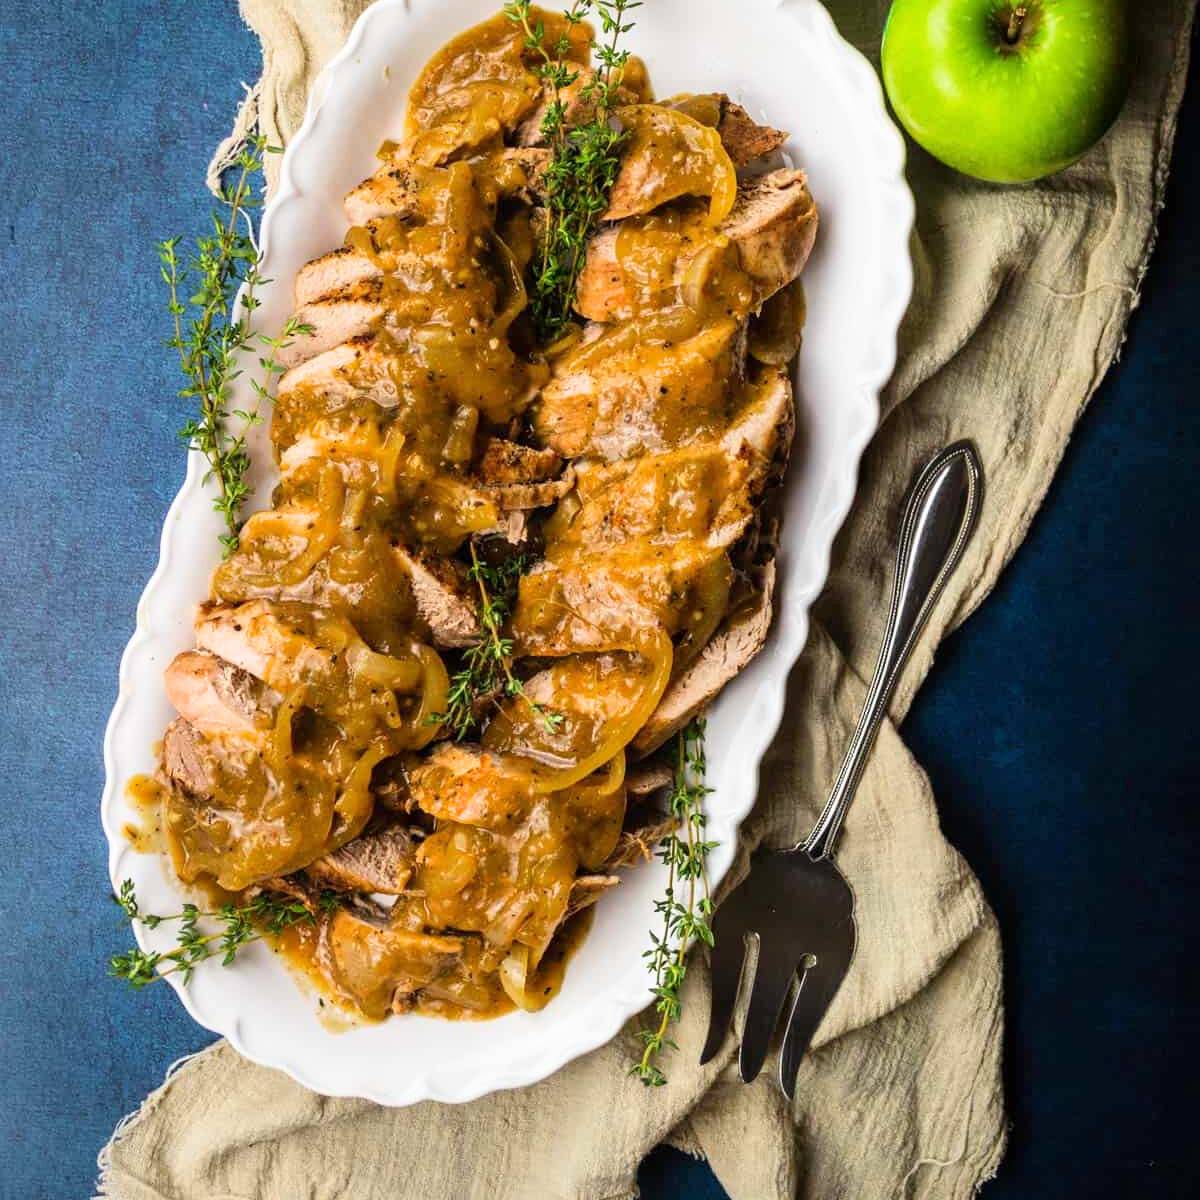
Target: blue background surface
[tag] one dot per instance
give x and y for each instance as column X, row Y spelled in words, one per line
column 1058, row 726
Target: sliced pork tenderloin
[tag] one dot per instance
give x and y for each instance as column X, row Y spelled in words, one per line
column 444, row 601
column 740, row 637
column 505, row 462
column 773, row 225
column 217, row 697
column 381, row 861
column 586, row 890
column 640, row 398
column 744, row 139
column 340, row 317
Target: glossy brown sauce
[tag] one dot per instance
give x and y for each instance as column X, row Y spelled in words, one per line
column 629, row 588
column 145, row 795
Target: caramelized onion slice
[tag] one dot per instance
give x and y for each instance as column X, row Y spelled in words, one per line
column 597, row 808
column 714, row 281
column 705, row 107
column 514, row 979
column 516, row 299
column 670, row 154
column 435, row 686
column 581, row 711
column 355, row 804
column 383, row 670
column 281, row 547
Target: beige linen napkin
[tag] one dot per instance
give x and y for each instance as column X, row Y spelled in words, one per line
column 1021, row 302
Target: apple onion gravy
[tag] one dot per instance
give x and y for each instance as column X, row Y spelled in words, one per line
column 497, row 574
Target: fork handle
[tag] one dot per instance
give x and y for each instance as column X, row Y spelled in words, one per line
column 939, row 518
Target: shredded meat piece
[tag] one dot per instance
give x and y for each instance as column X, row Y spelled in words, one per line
column 638, row 845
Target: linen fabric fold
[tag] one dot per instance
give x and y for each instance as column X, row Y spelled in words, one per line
column 1021, row 302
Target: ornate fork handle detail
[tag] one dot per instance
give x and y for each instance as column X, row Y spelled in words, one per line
column 939, row 518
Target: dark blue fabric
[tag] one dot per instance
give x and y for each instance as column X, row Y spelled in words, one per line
column 1057, row 726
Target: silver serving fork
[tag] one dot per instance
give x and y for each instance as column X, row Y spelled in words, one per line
column 796, row 903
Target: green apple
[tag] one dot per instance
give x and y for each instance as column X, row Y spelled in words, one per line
column 1006, row 90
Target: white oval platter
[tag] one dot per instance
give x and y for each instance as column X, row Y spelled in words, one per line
column 786, row 62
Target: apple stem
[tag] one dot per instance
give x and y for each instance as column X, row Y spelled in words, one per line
column 1015, row 21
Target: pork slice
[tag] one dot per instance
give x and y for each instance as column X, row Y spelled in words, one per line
column 291, row 886
column 586, row 890
column 443, row 600
column 637, row 844
column 411, row 195
column 588, row 604
column 215, row 696
column 470, row 786
column 765, row 423
column 701, row 493
column 412, row 191
column 524, row 497
column 646, row 778
column 354, row 370
column 744, row 139
column 739, row 638
column 341, row 317
column 370, row 960
column 773, row 224
column 263, row 639
column 520, row 478
column 398, row 190
column 347, row 270
column 675, row 134
column 326, row 372
column 381, row 862
column 334, row 272
column 577, row 111
column 641, row 399
column 191, row 761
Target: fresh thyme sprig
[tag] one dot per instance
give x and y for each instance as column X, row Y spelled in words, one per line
column 683, row 920
column 553, row 70
column 210, row 338
column 240, row 925
column 486, row 673
column 586, row 157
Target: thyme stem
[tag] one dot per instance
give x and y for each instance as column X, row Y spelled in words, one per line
column 686, row 853
column 211, row 339
column 486, row 673
column 240, row 926
column 586, row 157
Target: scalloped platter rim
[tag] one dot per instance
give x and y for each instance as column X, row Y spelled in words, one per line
column 803, row 77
